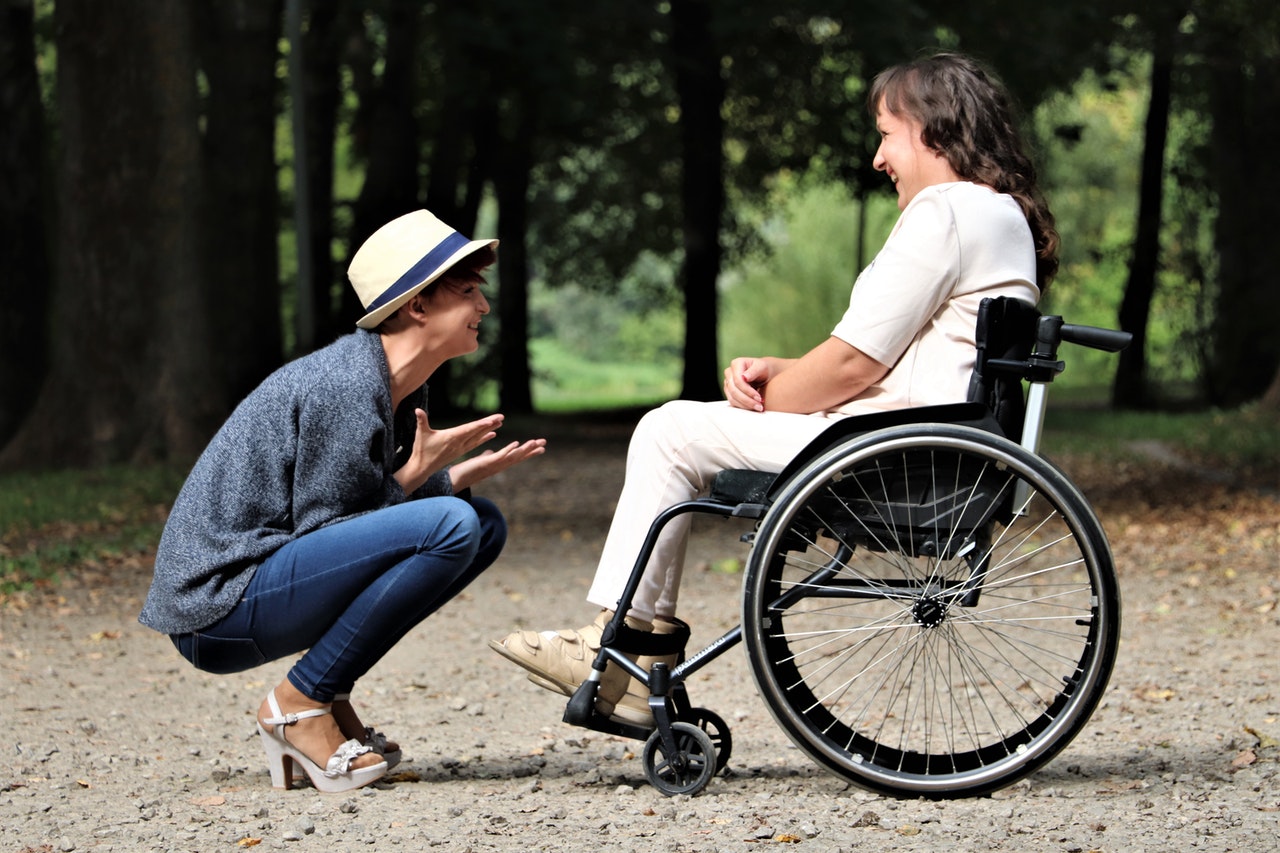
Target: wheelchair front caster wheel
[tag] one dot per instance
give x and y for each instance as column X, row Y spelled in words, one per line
column 718, row 730
column 688, row 768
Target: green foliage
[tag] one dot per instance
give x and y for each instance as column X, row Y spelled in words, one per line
column 627, row 324
column 566, row 382
column 1091, row 140
column 787, row 302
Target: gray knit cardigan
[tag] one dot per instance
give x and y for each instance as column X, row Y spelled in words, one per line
column 314, row 444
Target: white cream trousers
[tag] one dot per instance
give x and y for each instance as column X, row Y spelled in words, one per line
column 674, row 453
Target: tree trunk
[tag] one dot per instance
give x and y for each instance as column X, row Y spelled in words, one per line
column 1245, row 349
column 129, row 342
column 1129, row 389
column 24, row 286
column 1271, row 399
column 701, row 93
column 321, row 52
column 238, row 44
column 515, row 376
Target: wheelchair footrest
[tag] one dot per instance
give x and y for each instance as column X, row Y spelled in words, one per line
column 630, row 641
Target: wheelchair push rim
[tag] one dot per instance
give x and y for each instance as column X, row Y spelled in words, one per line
column 941, row 634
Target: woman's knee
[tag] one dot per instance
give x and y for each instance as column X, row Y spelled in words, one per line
column 663, row 426
column 447, row 526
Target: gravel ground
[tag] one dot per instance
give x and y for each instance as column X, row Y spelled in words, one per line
column 118, row 745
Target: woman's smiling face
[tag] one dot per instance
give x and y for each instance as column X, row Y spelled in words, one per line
column 904, row 157
column 455, row 309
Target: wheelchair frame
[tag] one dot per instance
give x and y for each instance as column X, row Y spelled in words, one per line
column 929, row 608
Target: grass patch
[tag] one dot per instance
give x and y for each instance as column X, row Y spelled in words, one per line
column 1242, row 439
column 55, row 521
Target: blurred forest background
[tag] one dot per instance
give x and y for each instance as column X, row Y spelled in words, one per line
column 674, row 183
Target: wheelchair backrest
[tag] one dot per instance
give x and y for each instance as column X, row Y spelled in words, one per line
column 1006, row 330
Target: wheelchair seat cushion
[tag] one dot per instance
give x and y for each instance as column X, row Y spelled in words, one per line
column 740, row 485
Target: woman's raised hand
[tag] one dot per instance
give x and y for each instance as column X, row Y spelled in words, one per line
column 435, row 448
column 468, row 472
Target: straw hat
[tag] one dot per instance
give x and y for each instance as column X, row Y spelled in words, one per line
column 401, row 258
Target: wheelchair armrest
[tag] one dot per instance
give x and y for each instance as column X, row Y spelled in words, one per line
column 741, row 486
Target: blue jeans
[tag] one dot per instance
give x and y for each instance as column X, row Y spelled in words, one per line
column 350, row 591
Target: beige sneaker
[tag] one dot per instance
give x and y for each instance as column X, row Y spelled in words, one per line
column 561, row 660
column 633, row 706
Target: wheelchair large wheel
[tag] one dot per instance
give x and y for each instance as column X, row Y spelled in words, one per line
column 931, row 610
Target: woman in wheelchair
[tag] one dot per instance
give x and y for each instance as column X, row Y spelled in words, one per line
column 973, row 225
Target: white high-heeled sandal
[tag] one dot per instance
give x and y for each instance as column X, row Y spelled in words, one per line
column 375, row 740
column 336, row 777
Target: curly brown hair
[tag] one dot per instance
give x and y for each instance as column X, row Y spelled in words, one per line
column 968, row 116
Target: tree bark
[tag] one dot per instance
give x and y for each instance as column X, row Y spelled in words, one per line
column 24, row 286
column 701, row 92
column 515, row 376
column 1245, row 350
column 126, row 378
column 321, row 59
column 238, row 43
column 1129, row 389
column 1271, row 399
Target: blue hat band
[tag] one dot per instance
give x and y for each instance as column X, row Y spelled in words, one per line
column 420, row 271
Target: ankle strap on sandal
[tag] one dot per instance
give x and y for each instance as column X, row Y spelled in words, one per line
column 283, row 719
column 291, row 718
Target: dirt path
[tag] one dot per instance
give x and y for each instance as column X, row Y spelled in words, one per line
column 116, row 744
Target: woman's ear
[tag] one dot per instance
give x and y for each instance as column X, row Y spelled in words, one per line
column 418, row 305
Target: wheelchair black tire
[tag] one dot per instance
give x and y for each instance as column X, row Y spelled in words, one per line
column 945, row 664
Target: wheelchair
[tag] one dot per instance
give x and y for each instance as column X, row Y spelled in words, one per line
column 929, row 608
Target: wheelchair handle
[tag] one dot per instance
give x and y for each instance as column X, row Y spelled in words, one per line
column 1107, row 340
column 1051, row 331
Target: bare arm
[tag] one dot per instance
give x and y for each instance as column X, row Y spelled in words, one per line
column 830, row 374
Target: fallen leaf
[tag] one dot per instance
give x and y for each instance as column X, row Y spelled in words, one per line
column 214, row 800
column 1156, row 694
column 1244, row 759
column 248, row 842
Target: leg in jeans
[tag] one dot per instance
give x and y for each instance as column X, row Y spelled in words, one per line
column 674, row 452
column 348, row 592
